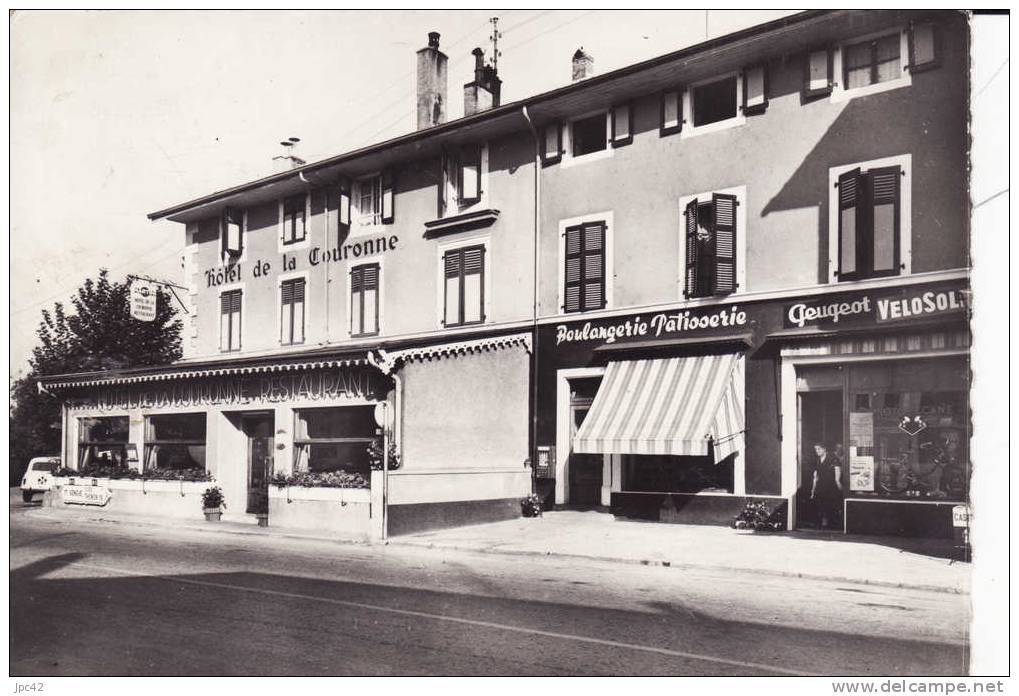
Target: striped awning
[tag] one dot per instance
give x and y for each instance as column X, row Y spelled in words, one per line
column 668, row 406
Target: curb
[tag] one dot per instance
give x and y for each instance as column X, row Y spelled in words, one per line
column 277, row 533
column 685, row 565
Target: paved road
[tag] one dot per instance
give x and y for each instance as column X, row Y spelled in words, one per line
column 105, row 598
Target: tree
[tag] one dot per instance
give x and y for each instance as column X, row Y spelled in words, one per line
column 99, row 334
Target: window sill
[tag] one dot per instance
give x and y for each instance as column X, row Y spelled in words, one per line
column 734, row 122
column 842, row 95
column 464, row 325
column 576, row 161
column 461, row 223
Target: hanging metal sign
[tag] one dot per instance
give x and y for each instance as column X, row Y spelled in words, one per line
column 143, row 300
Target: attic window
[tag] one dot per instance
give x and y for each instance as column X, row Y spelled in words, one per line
column 714, row 101
column 589, row 135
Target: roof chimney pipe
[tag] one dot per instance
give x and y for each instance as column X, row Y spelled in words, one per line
column 583, row 65
column 288, row 159
column 484, row 92
column 431, row 84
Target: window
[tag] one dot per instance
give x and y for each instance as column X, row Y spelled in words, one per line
column 588, row 135
column 175, row 442
column 461, row 179
column 102, row 442
column 368, row 197
column 230, row 320
column 869, row 222
column 334, row 439
column 817, row 79
column 871, row 62
column 714, row 101
column 231, row 232
column 464, row 276
column 364, row 300
column 292, row 311
column 710, row 244
column 294, row 219
column 672, row 112
column 677, row 474
column 584, row 287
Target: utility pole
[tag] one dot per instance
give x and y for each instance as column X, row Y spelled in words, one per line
column 494, row 38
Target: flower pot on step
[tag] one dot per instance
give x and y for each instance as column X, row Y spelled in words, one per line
column 212, row 514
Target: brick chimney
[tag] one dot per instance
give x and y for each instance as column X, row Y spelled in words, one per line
column 431, row 83
column 583, row 65
column 484, row 92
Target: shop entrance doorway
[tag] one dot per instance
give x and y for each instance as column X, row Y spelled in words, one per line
column 259, row 430
column 820, row 414
column 585, row 469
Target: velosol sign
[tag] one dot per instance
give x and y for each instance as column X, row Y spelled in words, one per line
column 903, row 305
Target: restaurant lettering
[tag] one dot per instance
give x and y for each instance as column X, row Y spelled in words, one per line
column 901, row 306
column 261, row 268
column 273, row 388
column 658, row 325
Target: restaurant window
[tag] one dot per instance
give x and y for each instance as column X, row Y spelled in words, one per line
column 294, row 219
column 870, row 220
column 589, row 135
column 909, row 429
column 644, row 473
column 175, row 442
column 464, row 283
column 710, row 244
column 230, row 320
column 102, row 442
column 460, row 182
column 584, row 272
column 334, row 439
column 292, row 311
column 364, row 299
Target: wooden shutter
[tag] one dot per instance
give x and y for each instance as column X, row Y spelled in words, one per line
column 552, row 151
column 230, row 309
column 690, row 288
column 473, row 265
column 817, row 74
column 356, row 300
column 622, row 125
column 453, row 270
column 594, row 266
column 574, row 254
column 883, row 214
column 672, row 112
column 388, row 198
column 849, row 215
column 443, row 182
column 724, row 206
column 755, row 89
column 469, row 180
column 370, row 284
column 924, row 46
column 343, row 213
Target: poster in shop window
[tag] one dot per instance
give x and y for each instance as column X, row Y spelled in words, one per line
column 861, row 451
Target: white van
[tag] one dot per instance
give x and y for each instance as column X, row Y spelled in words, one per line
column 39, row 476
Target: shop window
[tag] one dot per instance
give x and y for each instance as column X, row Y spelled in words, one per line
column 460, row 183
column 175, row 442
column 464, row 282
column 102, row 442
column 364, row 299
column 585, row 272
column 588, row 135
column 710, row 245
column 869, row 219
column 334, row 439
column 230, row 320
column 292, row 311
column 671, row 474
column 909, row 430
column 294, row 219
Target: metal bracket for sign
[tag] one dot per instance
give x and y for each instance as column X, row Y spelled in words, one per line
column 172, row 286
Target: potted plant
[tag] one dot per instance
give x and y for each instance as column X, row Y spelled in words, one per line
column 757, row 516
column 531, row 506
column 213, row 503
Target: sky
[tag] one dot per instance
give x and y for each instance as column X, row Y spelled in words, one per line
column 117, row 114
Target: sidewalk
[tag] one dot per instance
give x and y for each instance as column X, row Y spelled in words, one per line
column 883, row 561
column 887, row 561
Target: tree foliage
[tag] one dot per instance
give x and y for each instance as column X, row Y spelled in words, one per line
column 96, row 333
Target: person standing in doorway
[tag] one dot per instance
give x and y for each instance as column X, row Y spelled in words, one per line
column 826, row 490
